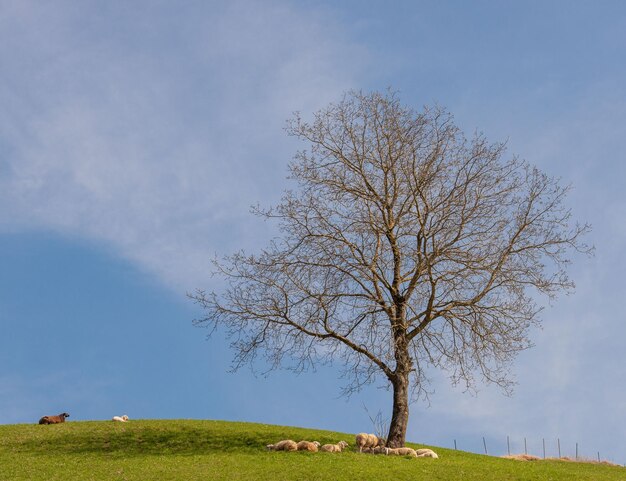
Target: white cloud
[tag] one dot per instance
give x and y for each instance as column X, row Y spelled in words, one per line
column 152, row 130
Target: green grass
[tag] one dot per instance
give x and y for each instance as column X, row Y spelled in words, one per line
column 186, row 450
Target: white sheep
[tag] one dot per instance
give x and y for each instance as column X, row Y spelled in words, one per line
column 401, row 452
column 364, row 440
column 334, row 448
column 377, row 450
column 308, row 446
column 120, row 419
column 426, row 453
column 285, row 445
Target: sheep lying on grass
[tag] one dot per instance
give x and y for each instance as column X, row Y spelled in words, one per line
column 377, row 450
column 120, row 419
column 285, row 445
column 426, row 453
column 530, row 457
column 308, row 446
column 368, row 441
column 334, row 448
column 414, row 453
column 54, row 419
column 522, row 457
column 314, row 446
column 401, row 452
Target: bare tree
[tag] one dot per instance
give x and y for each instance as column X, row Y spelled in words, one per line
column 405, row 247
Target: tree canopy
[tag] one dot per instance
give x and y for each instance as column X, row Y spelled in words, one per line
column 405, row 246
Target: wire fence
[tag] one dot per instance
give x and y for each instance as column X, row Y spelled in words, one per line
column 547, row 448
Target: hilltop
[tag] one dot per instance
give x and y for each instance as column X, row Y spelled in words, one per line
column 219, row 450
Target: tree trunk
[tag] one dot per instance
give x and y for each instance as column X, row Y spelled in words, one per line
column 400, row 416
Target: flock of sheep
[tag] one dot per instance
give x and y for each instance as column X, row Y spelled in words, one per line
column 61, row 419
column 366, row 443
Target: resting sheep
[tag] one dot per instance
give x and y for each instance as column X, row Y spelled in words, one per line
column 120, row 419
column 426, row 453
column 414, row 453
column 54, row 419
column 285, row 445
column 334, row 448
column 308, row 446
column 522, row 457
column 401, row 452
column 364, row 440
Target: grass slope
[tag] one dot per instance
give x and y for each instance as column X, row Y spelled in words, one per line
column 215, row 450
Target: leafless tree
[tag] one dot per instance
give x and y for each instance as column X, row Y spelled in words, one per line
column 405, row 247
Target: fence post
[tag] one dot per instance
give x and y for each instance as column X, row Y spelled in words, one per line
column 558, row 443
column 485, row 444
column 598, row 456
column 525, row 448
column 576, row 451
column 455, row 444
column 508, row 445
column 544, row 448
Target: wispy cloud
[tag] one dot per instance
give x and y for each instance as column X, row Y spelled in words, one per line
column 151, row 128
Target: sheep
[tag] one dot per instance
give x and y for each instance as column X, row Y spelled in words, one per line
column 426, row 453
column 414, row 453
column 54, row 419
column 285, row 445
column 401, row 452
column 334, row 448
column 120, row 419
column 308, row 446
column 522, row 457
column 364, row 440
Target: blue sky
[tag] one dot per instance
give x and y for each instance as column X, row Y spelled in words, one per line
column 135, row 136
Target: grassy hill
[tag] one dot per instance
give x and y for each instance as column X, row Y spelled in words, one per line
column 186, row 450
